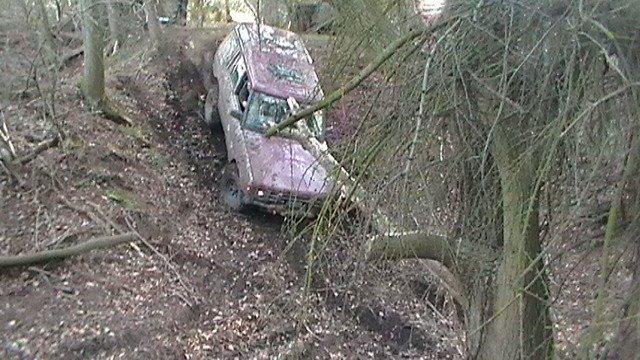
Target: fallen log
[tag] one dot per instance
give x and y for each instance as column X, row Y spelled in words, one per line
column 39, row 149
column 410, row 245
column 56, row 254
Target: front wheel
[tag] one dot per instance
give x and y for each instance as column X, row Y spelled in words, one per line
column 231, row 192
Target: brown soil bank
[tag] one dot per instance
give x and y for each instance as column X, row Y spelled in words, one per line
column 217, row 285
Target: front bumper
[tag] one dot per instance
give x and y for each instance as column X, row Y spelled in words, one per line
column 286, row 205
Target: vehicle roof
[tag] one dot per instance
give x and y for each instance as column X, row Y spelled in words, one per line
column 278, row 63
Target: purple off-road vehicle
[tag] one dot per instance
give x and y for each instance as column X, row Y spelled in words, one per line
column 263, row 73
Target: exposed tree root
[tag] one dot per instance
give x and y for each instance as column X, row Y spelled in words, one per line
column 65, row 58
column 107, row 110
column 56, row 254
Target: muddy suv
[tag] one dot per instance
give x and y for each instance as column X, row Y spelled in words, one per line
column 263, row 73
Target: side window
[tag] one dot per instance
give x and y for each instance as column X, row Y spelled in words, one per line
column 237, row 70
column 241, row 86
column 243, row 92
column 230, row 50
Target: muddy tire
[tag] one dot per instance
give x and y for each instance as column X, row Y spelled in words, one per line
column 211, row 115
column 230, row 193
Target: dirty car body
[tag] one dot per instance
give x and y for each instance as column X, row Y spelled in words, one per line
column 261, row 71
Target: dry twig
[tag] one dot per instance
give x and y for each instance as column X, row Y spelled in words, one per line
column 6, row 139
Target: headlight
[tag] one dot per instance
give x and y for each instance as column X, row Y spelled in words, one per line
column 260, row 193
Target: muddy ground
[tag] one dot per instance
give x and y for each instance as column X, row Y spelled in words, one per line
column 211, row 283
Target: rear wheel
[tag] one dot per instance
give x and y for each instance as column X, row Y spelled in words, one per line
column 231, row 192
column 211, row 115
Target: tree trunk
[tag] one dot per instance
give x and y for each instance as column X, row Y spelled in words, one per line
column 517, row 324
column 181, row 14
column 93, row 82
column 626, row 343
column 152, row 20
column 46, row 36
column 197, row 13
column 227, row 11
column 627, row 340
column 114, row 26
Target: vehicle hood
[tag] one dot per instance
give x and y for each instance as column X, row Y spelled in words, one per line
column 283, row 165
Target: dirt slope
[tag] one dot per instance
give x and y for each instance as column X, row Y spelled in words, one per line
column 220, row 284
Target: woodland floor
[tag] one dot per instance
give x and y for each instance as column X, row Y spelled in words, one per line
column 225, row 285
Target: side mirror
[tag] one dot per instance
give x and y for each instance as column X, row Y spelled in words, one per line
column 236, row 114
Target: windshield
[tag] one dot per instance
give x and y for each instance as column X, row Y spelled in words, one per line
column 265, row 111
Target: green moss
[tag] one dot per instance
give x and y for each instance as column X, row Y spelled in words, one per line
column 120, row 197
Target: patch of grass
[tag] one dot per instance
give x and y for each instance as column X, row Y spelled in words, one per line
column 134, row 133
column 120, row 197
column 319, row 40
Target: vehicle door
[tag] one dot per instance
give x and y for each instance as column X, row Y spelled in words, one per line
column 231, row 83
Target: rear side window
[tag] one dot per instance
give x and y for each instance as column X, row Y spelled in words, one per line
column 230, row 50
column 237, row 70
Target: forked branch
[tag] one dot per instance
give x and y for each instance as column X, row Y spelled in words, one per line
column 390, row 242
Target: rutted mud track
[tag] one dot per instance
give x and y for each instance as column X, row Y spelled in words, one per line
column 205, row 152
column 230, row 289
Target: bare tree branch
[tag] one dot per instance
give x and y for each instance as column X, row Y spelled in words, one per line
column 411, row 245
column 353, row 83
column 6, row 139
column 93, row 244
